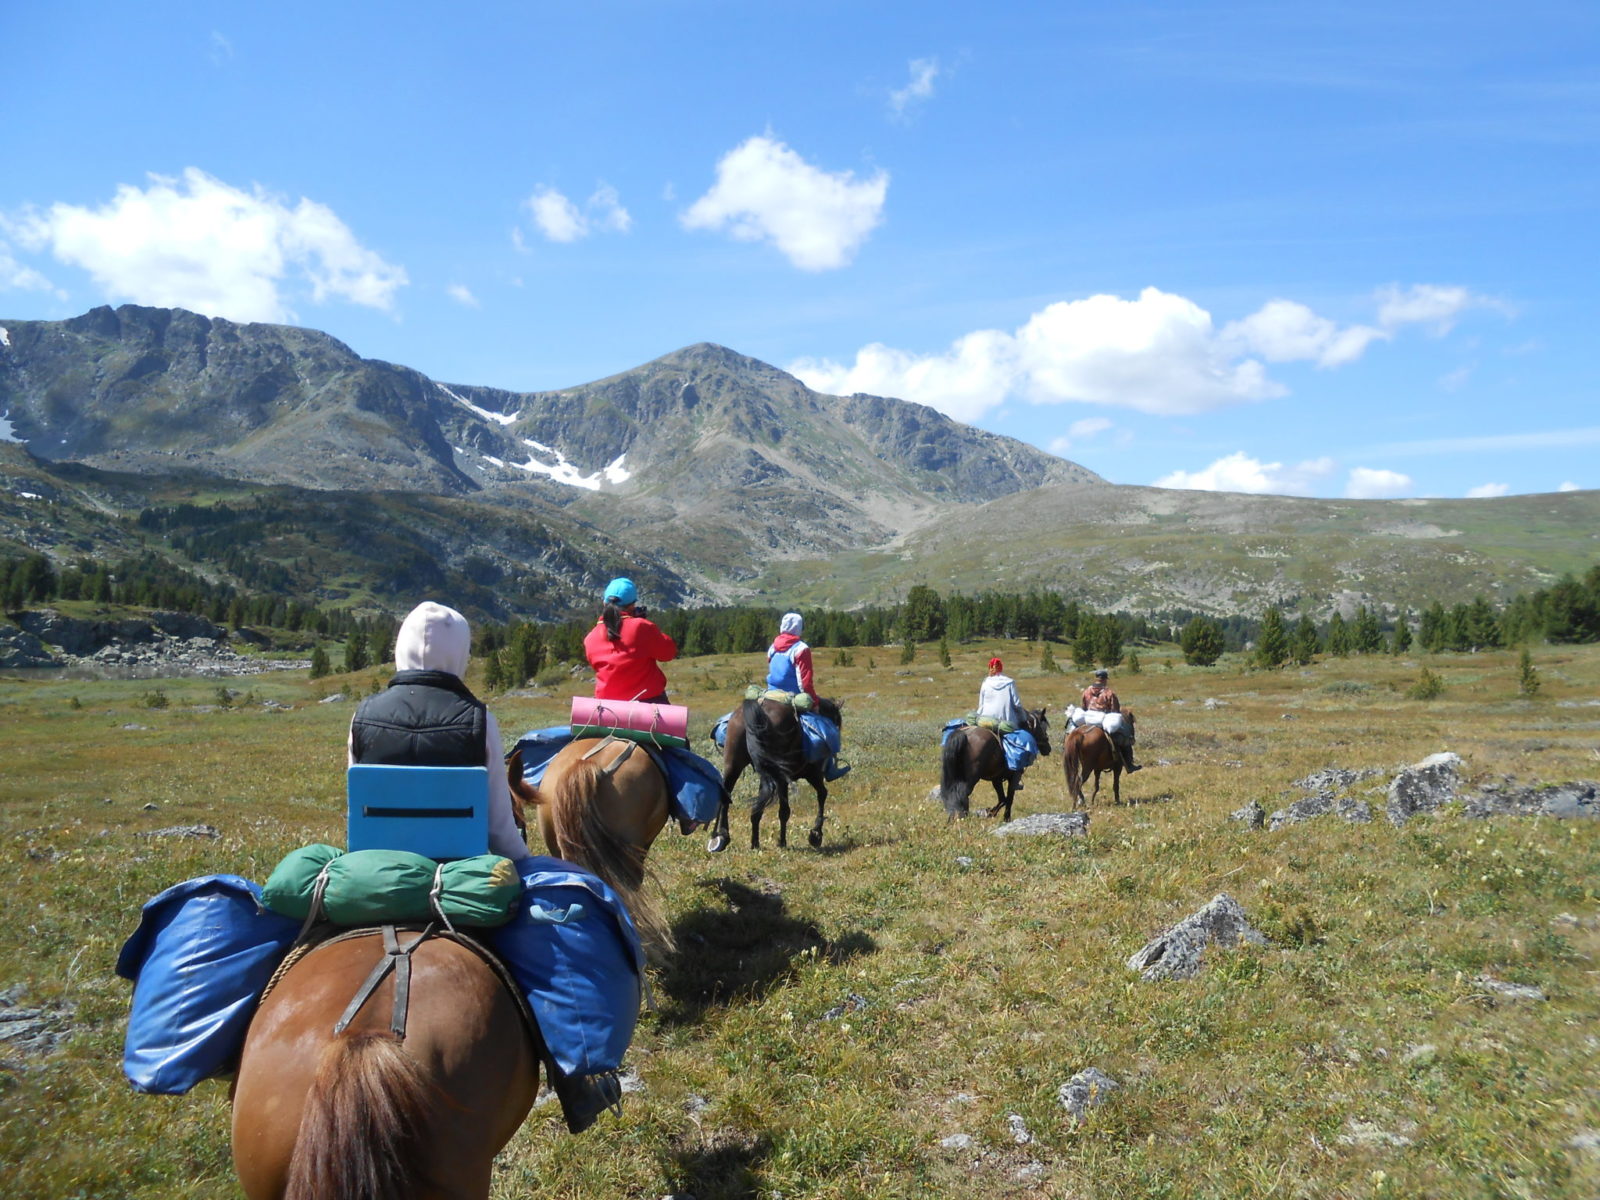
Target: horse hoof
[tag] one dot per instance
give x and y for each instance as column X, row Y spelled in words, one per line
column 815, row 838
column 717, row 845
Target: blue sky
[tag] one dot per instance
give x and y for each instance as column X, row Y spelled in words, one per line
column 1331, row 250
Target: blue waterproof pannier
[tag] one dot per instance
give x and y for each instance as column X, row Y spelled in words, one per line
column 573, row 949
column 202, row 954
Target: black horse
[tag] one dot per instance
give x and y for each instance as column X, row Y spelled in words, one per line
column 765, row 734
column 973, row 753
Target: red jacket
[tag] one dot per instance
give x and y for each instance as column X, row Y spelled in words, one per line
column 626, row 669
column 802, row 664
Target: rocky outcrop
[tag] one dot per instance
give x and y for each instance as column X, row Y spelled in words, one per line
column 21, row 649
column 1179, row 952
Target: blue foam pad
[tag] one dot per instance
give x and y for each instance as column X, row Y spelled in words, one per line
column 438, row 812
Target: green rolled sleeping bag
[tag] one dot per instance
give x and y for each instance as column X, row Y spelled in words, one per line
column 374, row 887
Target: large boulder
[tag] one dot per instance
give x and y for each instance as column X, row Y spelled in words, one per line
column 19, row 648
column 1179, row 953
column 1424, row 787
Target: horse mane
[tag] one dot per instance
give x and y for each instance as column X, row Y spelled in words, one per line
column 360, row 1131
column 583, row 837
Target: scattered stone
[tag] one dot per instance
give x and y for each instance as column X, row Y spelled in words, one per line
column 1586, row 1141
column 630, row 1081
column 1420, row 1055
column 852, row 1003
column 336, row 698
column 151, row 806
column 1288, row 717
column 1073, row 824
column 135, row 726
column 1212, row 702
column 1358, row 812
column 1566, row 801
column 1369, row 1136
column 957, row 1141
column 1251, row 814
column 1316, row 805
column 1423, row 787
column 1334, row 779
column 695, row 1105
column 963, row 860
column 1030, row 1172
column 1179, row 952
column 1019, row 1129
column 185, row 831
column 1085, row 1090
column 1511, row 991
column 33, row 1031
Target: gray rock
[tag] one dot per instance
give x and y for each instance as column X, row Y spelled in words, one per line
column 1423, row 787
column 33, row 1030
column 1020, row 1134
column 1420, row 1055
column 1586, row 1141
column 1356, row 811
column 1088, row 1089
column 19, row 648
column 1511, row 991
column 1565, row 801
column 957, row 1141
column 1251, row 814
column 852, row 1003
column 1073, row 824
column 1318, row 805
column 1179, row 952
column 1334, row 779
column 185, row 831
column 1367, row 1135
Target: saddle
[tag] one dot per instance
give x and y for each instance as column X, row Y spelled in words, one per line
column 798, row 701
column 992, row 723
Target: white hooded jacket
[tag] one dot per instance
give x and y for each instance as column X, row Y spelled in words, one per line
column 436, row 638
column 997, row 698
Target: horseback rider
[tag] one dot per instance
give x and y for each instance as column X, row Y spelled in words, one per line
column 1098, row 697
column 998, row 699
column 427, row 717
column 624, row 648
column 789, row 669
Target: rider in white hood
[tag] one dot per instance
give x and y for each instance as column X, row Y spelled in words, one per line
column 426, row 710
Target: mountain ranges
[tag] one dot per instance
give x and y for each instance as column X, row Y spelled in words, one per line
column 276, row 457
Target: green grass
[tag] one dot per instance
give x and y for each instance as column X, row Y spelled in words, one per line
column 830, row 1017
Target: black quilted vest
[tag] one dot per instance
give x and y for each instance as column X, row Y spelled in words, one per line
column 423, row 719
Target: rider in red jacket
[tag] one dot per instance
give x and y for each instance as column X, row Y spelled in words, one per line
column 625, row 647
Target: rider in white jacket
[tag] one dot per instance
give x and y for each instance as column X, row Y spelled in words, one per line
column 997, row 697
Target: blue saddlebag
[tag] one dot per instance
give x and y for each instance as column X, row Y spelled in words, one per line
column 202, row 954
column 574, row 952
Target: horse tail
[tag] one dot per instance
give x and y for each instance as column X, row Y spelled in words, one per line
column 362, row 1130
column 954, row 788
column 774, row 751
column 1070, row 764
column 582, row 836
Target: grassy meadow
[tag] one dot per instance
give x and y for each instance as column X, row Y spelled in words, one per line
column 832, row 1020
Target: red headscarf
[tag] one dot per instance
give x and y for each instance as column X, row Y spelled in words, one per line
column 995, row 665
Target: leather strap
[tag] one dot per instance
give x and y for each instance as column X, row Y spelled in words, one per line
column 397, row 958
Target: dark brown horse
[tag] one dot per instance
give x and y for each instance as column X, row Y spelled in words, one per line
column 1090, row 748
column 973, row 753
column 765, row 734
column 367, row 1115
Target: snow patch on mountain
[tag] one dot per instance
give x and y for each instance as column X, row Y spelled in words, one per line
column 501, row 418
column 7, row 434
column 563, row 471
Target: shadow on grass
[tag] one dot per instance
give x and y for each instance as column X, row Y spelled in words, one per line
column 742, row 948
column 721, row 1169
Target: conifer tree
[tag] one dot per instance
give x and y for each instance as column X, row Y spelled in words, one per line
column 1272, row 644
column 1047, row 660
column 1527, row 676
column 1338, row 636
column 1305, row 644
column 1201, row 642
column 944, row 652
column 319, row 662
column 1402, row 634
column 1365, row 636
column 1133, row 663
column 908, row 652
column 355, row 651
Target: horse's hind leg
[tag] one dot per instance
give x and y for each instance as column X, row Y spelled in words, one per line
column 815, row 836
column 783, row 814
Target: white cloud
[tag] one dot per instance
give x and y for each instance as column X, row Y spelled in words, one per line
column 1079, row 431
column 461, row 294
column 16, row 277
column 1454, row 381
column 557, row 217
column 560, row 220
column 220, row 49
column 1285, row 331
column 1432, row 304
column 1487, row 491
column 1372, row 483
column 1239, row 472
column 201, row 244
column 1569, row 486
column 765, row 192
column 920, row 87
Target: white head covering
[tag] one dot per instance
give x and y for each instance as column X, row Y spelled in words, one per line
column 790, row 624
column 433, row 638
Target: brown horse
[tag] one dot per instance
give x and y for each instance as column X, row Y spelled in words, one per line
column 1089, row 748
column 973, row 753
column 367, row 1114
column 765, row 734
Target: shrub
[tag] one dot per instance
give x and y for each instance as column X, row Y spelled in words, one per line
column 155, row 699
column 1427, row 687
